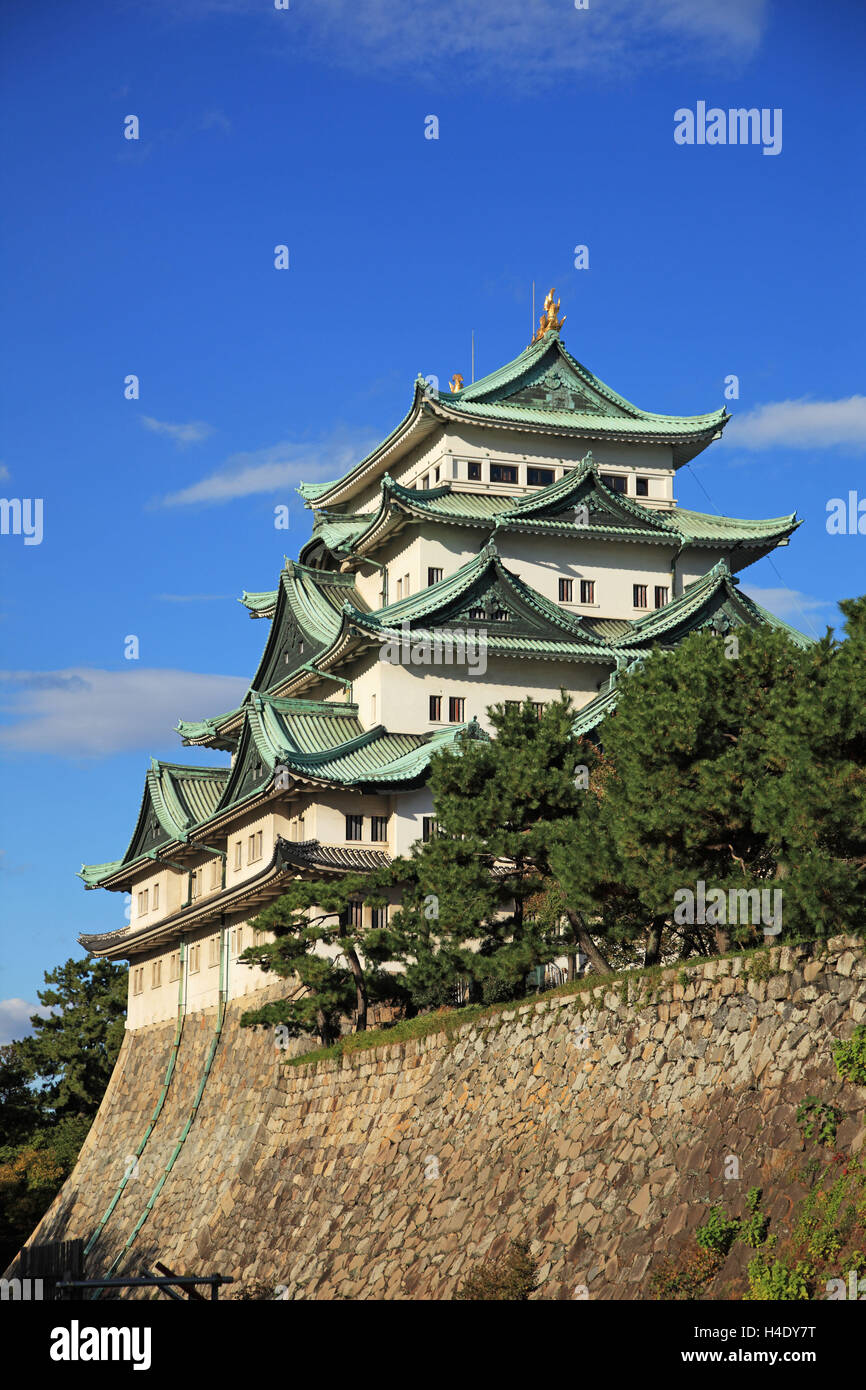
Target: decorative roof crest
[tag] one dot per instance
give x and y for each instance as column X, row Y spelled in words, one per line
column 549, row 320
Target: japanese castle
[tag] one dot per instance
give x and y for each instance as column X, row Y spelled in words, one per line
column 510, row 538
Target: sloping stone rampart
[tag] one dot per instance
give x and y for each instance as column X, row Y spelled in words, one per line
column 598, row 1124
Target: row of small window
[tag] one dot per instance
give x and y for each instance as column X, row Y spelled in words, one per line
column 254, row 849
column 236, row 945
column 538, row 477
column 640, row 593
column 378, row 828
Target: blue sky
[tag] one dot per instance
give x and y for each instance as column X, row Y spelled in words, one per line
column 306, row 127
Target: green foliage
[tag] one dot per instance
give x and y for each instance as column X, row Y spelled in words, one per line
column 512, row 1278
column 850, row 1057
column 51, row 1084
column 775, row 1280
column 833, row 1215
column 342, row 979
column 818, row 1119
column 753, row 1228
column 72, row 1052
column 718, row 1232
column 686, row 1277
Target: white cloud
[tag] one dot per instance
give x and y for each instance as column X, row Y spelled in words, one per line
column 87, row 712
column 534, row 42
column 801, row 424
column 4, row 473
column 277, row 467
column 792, row 606
column 193, row 433
column 15, row 1019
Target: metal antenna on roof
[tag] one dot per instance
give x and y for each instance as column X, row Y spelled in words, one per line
column 532, row 330
column 473, row 354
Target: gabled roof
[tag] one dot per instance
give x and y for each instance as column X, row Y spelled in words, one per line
column 306, row 613
column 315, row 742
column 552, row 509
column 176, row 799
column 481, row 603
column 544, row 390
column 714, row 601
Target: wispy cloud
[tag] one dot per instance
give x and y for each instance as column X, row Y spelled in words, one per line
column 4, row 473
column 534, row 43
column 92, row 713
column 15, row 1019
column 276, row 468
column 801, row 424
column 792, row 606
column 193, row 433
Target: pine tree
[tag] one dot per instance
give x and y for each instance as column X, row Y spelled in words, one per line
column 322, row 944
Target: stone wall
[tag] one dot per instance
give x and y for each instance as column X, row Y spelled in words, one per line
column 597, row 1124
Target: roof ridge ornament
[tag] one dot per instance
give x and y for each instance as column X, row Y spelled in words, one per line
column 456, row 382
column 549, row 322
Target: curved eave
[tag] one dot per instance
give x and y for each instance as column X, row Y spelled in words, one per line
column 418, row 422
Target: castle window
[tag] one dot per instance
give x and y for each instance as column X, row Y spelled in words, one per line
column 215, row 874
column 399, row 589
column 142, row 902
column 138, row 980
column 194, row 885
column 639, row 595
column 641, row 487
column 254, row 847
column 156, row 974
column 354, row 827
column 539, row 477
column 456, row 709
column 436, row 475
column 429, row 828
column 473, row 472
column 213, row 951
column 477, row 615
column 155, row 900
column 661, row 595
column 433, row 576
column 378, row 918
column 566, row 587
column 502, row 473
column 379, row 828
column 174, row 966
column 499, row 615
column 538, row 707
column 615, row 481
column 237, row 854
column 435, row 708
column 194, row 959
column 587, row 591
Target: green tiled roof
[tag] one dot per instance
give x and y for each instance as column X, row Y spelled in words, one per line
column 175, row 800
column 545, row 389
column 94, row 873
column 611, row 515
column 258, row 603
column 484, row 580
column 715, row 598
